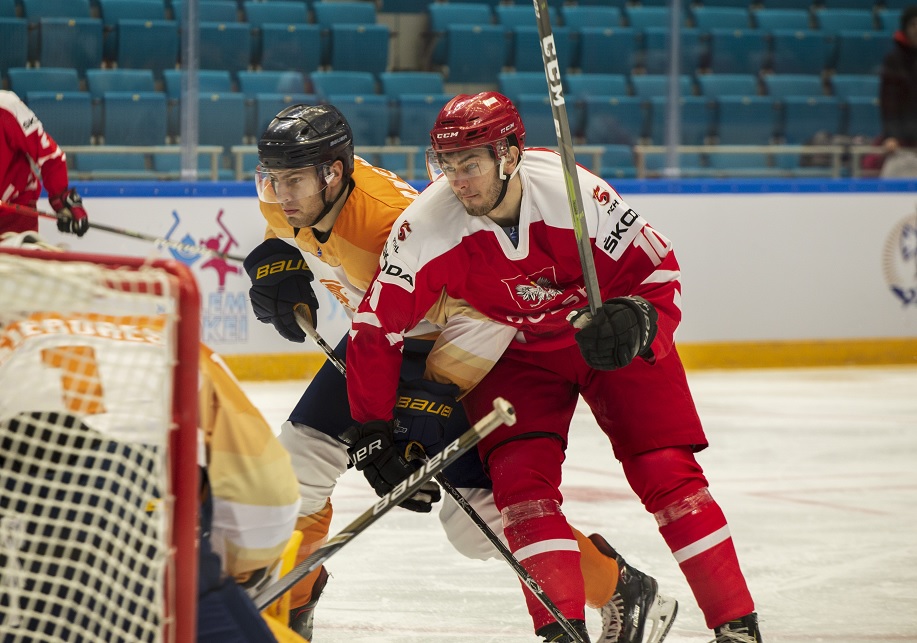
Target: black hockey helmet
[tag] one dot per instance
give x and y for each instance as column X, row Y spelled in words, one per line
column 306, row 136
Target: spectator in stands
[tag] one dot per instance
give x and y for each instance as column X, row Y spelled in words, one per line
column 898, row 97
column 28, row 157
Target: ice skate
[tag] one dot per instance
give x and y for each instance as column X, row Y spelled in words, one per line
column 637, row 613
column 302, row 618
column 740, row 630
column 554, row 633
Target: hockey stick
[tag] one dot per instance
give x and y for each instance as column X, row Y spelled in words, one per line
column 565, row 144
column 503, row 413
column 300, row 312
column 184, row 247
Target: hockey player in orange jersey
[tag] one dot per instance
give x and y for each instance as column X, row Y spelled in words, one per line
column 328, row 215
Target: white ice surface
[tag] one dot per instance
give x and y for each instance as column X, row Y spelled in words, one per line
column 816, row 470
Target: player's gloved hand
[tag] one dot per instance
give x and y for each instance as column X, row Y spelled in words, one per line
column 280, row 280
column 421, row 413
column 372, row 450
column 71, row 217
column 622, row 329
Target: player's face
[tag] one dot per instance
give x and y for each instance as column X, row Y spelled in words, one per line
column 298, row 191
column 472, row 174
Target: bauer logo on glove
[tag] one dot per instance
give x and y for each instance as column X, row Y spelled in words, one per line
column 290, row 265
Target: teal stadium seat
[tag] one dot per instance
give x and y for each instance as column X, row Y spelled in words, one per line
column 862, row 117
column 596, row 42
column 67, row 115
column 834, row 20
column 510, row 16
column 648, row 85
column 129, row 118
column 488, row 44
column 209, row 81
column 851, row 85
column 148, row 44
column 783, row 85
column 70, row 42
column 512, row 84
column 101, row 81
column 535, row 110
column 276, row 12
column 271, row 82
column 326, row 83
column 49, row 79
column 361, row 47
column 714, row 85
column 746, row 120
column 369, row 116
column 692, row 48
column 737, row 51
column 290, row 47
column 442, row 15
column 798, row 51
column 208, row 11
column 709, row 17
column 642, row 16
column 579, row 16
column 614, row 120
column 617, row 162
column 225, row 45
column 14, row 33
column 338, row 12
column 581, row 85
column 113, row 11
column 397, row 83
column 696, row 113
column 525, row 49
column 770, row 19
column 806, row 116
column 860, row 52
column 416, row 115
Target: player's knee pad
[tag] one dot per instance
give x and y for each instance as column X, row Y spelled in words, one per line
column 318, row 461
column 464, row 535
column 664, row 477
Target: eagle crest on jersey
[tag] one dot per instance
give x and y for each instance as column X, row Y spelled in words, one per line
column 538, row 292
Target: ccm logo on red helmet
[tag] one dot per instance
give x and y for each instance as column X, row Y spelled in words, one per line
column 447, row 135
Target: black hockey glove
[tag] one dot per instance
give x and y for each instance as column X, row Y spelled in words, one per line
column 622, row 329
column 280, row 280
column 372, row 450
column 421, row 413
column 71, row 217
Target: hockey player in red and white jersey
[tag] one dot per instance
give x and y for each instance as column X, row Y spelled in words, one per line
column 328, row 215
column 494, row 228
column 29, row 157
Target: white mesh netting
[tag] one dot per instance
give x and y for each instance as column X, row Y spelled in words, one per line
column 86, row 361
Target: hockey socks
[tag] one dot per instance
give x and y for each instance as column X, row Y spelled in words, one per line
column 541, row 539
column 314, row 528
column 696, row 532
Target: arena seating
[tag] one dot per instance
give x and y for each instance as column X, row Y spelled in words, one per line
column 750, row 71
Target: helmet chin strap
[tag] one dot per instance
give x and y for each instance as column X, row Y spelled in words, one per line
column 330, row 204
column 506, row 179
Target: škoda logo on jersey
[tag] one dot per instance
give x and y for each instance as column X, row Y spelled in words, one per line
column 278, row 266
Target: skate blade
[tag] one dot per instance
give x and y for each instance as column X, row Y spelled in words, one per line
column 661, row 616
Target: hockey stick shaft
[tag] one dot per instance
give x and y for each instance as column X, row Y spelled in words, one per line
column 184, row 247
column 568, row 159
column 503, row 413
column 300, row 312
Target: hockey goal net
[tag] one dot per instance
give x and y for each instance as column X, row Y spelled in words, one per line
column 98, row 442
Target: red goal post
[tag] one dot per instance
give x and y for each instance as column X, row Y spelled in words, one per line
column 99, row 484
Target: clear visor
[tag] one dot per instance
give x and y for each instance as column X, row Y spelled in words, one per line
column 461, row 165
column 285, row 186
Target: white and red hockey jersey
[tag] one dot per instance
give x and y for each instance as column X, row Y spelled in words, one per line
column 27, row 152
column 436, row 246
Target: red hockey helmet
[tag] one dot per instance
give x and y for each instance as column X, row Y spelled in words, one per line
column 471, row 121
